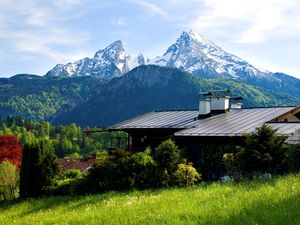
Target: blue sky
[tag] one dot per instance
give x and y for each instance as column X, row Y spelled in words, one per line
column 35, row 35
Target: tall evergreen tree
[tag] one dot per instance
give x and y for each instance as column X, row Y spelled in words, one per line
column 264, row 151
column 24, row 171
column 30, row 174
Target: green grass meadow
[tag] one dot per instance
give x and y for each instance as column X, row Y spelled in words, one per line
column 265, row 202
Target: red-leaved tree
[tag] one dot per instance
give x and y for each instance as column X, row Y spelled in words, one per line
column 10, row 149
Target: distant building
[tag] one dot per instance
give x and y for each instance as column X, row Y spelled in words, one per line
column 83, row 164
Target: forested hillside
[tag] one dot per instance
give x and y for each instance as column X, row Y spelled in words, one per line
column 149, row 88
column 38, row 98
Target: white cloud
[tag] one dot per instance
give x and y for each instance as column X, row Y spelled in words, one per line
column 31, row 43
column 66, row 4
column 254, row 21
column 36, row 30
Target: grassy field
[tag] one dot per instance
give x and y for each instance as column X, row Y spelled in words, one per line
column 273, row 202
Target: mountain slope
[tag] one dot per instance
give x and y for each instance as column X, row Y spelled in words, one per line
column 148, row 88
column 38, row 97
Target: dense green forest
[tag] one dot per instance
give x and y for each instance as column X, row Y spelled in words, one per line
column 63, row 140
column 39, row 98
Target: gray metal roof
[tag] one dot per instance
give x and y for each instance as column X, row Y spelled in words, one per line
column 163, row 119
column 233, row 123
column 286, row 128
column 294, row 139
column 237, row 122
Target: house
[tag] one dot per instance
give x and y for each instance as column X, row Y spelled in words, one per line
column 219, row 122
column 220, row 119
column 83, row 164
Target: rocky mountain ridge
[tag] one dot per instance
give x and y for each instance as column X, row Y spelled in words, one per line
column 192, row 52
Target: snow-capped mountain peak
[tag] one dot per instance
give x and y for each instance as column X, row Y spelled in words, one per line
column 107, row 63
column 191, row 52
column 196, row 54
column 196, row 37
column 112, row 50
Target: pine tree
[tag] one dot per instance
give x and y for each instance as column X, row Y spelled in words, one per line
column 30, row 174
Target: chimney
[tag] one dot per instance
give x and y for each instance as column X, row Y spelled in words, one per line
column 204, row 104
column 220, row 104
column 236, row 102
column 236, row 105
column 217, row 101
column 220, row 101
column 204, row 108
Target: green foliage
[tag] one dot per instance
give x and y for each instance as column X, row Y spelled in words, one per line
column 293, row 158
column 38, row 169
column 30, row 174
column 167, row 155
column 63, row 140
column 112, row 172
column 39, row 98
column 49, row 169
column 232, row 162
column 73, row 174
column 9, row 181
column 264, row 151
column 186, row 175
column 211, row 163
column 143, row 167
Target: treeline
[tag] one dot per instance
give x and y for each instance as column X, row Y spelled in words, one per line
column 63, row 140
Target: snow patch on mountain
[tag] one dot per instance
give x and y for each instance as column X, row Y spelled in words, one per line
column 196, row 54
column 191, row 52
column 107, row 63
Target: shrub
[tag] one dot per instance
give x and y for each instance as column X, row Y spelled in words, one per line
column 167, row 155
column 186, row 175
column 264, row 151
column 9, row 181
column 232, row 163
column 293, row 158
column 49, row 169
column 143, row 169
column 112, row 172
column 73, row 174
column 76, row 186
